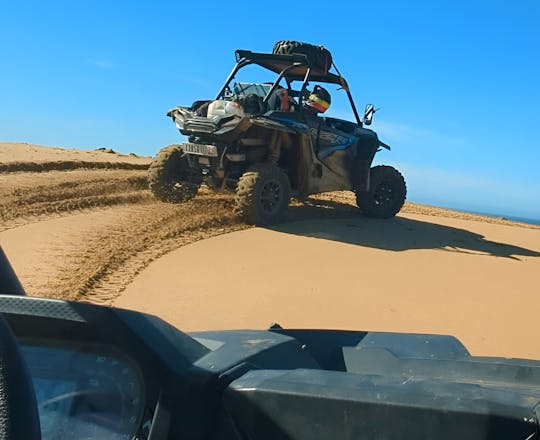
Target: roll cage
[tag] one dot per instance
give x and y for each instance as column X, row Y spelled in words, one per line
column 293, row 67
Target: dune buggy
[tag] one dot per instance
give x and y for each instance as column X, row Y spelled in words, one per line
column 260, row 140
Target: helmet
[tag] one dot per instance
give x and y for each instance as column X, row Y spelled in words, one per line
column 319, row 99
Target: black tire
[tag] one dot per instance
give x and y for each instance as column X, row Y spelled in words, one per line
column 170, row 177
column 386, row 195
column 263, row 194
column 318, row 56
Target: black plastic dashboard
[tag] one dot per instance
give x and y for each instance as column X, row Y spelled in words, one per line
column 97, row 372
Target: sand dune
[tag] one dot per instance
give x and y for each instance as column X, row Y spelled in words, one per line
column 11, row 152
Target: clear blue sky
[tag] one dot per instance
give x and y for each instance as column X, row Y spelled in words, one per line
column 458, row 82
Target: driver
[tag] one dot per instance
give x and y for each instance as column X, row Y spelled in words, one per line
column 318, row 101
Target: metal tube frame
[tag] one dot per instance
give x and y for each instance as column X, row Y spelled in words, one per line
column 244, row 62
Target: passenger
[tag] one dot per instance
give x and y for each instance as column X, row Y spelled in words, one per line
column 281, row 101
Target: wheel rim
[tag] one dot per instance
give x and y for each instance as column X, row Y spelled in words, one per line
column 184, row 184
column 384, row 194
column 182, row 181
column 270, row 197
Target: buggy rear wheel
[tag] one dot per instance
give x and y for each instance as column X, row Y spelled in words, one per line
column 386, row 195
column 263, row 194
column 171, row 178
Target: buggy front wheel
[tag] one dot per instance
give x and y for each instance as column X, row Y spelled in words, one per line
column 171, row 178
column 386, row 195
column 263, row 194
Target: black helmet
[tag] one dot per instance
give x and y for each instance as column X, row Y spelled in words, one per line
column 319, row 99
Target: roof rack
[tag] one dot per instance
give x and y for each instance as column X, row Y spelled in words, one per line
column 277, row 63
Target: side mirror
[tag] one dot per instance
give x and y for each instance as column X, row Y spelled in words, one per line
column 368, row 114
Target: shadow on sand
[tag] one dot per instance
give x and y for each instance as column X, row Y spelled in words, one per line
column 342, row 222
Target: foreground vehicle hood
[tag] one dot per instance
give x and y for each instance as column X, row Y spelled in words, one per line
column 388, row 386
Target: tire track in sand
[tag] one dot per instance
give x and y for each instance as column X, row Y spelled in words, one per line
column 102, row 261
column 85, row 234
column 24, row 195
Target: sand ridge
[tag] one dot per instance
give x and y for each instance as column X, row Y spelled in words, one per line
column 33, row 155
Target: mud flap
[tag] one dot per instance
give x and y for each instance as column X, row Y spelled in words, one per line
column 360, row 175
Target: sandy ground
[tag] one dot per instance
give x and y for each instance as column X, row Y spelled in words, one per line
column 94, row 233
column 415, row 273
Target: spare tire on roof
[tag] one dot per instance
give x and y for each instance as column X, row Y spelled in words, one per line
column 318, row 56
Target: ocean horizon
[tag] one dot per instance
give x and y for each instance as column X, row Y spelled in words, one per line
column 530, row 221
column 514, row 218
